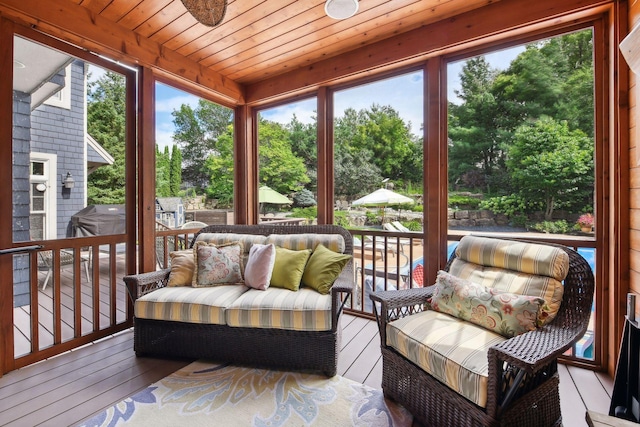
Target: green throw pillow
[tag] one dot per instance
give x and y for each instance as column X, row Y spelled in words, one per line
column 323, row 268
column 288, row 269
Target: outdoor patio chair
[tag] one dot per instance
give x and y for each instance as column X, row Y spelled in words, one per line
column 45, row 262
column 449, row 371
column 402, row 240
column 402, row 228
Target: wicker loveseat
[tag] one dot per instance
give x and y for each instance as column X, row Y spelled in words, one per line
column 428, row 354
column 301, row 333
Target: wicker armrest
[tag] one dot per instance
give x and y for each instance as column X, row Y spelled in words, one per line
column 391, row 300
column 397, row 304
column 345, row 281
column 533, row 350
column 141, row 284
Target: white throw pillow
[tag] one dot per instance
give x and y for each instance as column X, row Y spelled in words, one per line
column 257, row 273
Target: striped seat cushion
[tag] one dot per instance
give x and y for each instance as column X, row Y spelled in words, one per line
column 298, row 242
column 186, row 304
column 452, row 351
column 304, row 310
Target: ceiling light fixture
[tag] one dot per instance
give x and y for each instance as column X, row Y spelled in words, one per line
column 207, row 12
column 341, row 9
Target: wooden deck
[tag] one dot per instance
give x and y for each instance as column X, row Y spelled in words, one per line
column 67, row 389
column 90, row 295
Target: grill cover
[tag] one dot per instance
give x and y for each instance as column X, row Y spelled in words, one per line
column 95, row 220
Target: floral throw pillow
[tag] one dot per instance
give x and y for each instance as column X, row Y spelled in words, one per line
column 504, row 313
column 217, row 264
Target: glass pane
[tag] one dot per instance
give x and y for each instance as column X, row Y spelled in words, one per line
column 68, row 141
column 521, row 145
column 378, row 139
column 37, row 168
column 68, row 181
column 288, row 162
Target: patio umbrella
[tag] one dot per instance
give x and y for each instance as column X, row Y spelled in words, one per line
column 381, row 198
column 267, row 194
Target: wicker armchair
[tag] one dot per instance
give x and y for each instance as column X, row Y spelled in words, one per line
column 522, row 384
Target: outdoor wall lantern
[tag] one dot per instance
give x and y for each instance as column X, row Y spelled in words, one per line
column 341, row 9
column 68, row 181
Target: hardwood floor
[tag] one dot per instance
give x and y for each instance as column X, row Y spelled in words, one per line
column 67, row 389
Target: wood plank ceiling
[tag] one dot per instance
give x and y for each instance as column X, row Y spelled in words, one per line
column 261, row 39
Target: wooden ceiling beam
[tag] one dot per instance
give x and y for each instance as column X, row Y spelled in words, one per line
column 84, row 28
column 476, row 26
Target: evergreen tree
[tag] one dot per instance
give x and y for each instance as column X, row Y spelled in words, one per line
column 175, row 171
column 162, row 172
column 106, row 124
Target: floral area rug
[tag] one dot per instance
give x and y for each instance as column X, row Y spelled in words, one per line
column 206, row 394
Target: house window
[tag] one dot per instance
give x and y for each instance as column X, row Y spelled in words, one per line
column 62, row 98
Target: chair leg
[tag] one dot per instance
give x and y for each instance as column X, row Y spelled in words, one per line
column 86, row 270
column 46, row 279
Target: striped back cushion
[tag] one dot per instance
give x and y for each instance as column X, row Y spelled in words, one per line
column 452, row 351
column 498, row 267
column 530, row 258
column 298, row 242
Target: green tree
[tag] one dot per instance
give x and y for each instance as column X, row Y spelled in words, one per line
column 387, row 137
column 355, row 171
column 175, row 171
column 106, row 124
column 304, row 143
column 280, row 168
column 163, row 187
column 197, row 132
column 219, row 168
column 553, row 165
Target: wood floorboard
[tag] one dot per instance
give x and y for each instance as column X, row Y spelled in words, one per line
column 596, row 399
column 154, row 373
column 69, row 388
column 571, row 404
column 606, row 381
column 364, row 364
column 355, row 347
column 43, row 386
column 374, row 379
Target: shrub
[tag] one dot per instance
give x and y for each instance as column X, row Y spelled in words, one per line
column 413, row 225
column 309, row 213
column 508, row 205
column 457, row 201
column 304, row 198
column 553, row 227
column 341, row 218
column 373, row 218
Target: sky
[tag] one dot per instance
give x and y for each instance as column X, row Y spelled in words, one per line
column 403, row 93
